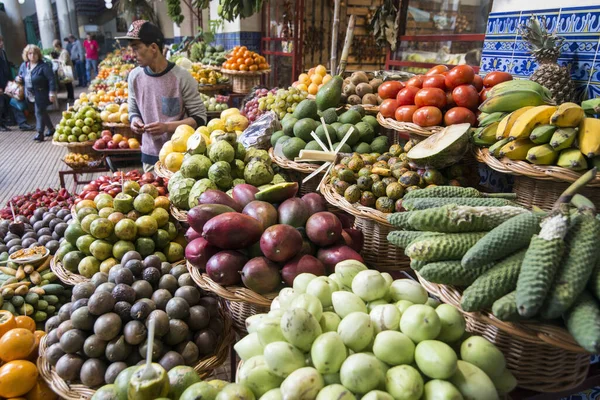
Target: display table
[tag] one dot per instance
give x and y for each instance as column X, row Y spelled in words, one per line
column 114, row 156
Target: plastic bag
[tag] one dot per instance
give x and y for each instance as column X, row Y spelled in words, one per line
column 258, row 134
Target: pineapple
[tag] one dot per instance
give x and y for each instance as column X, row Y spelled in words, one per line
column 545, row 48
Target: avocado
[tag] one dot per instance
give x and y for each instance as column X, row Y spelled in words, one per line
column 83, row 319
column 161, row 324
column 342, row 130
column 168, row 282
column 68, row 367
column 107, row 326
column 359, row 108
column 92, row 372
column 292, row 147
column 161, row 297
column 189, row 293
column 140, row 311
column 177, row 308
column 123, row 310
column 94, row 347
column 83, row 291
column 303, row 128
column 322, row 132
column 123, row 292
column 100, row 303
column 113, row 370
column 118, row 349
column 350, row 117
column 307, row 108
column 171, row 359
column 189, row 351
column 329, row 94
column 54, row 353
column 288, row 126
column 275, row 136
column 157, row 349
column 178, row 332
column 329, row 116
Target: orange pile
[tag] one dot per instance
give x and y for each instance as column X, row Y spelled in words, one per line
column 242, row 59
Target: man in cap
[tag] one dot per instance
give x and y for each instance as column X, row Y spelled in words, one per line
column 162, row 95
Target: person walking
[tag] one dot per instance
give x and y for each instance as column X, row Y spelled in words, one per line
column 78, row 58
column 40, row 88
column 162, row 95
column 64, row 60
column 5, row 109
column 91, row 56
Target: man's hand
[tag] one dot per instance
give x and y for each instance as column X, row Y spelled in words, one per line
column 155, row 128
column 137, row 126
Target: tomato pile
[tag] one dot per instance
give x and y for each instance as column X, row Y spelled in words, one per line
column 112, row 184
column 242, row 59
column 26, row 204
column 442, row 96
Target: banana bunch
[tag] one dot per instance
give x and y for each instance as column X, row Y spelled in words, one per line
column 512, row 95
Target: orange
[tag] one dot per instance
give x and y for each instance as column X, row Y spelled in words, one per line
column 253, row 68
column 316, row 78
column 321, row 70
column 16, row 344
column 25, row 322
column 7, row 322
column 17, row 378
column 41, row 391
column 243, row 67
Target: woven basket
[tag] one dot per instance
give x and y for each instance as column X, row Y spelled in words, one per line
column 377, row 251
column 92, row 163
column 538, row 185
column 243, row 81
column 414, row 130
column 543, row 357
column 178, row 214
column 77, row 147
column 299, row 171
column 162, row 171
column 213, row 89
column 241, row 302
column 66, row 276
column 76, row 391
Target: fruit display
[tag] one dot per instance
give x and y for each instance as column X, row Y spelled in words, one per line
column 77, row 160
column 215, row 103
column 543, row 135
column 27, row 203
column 250, row 108
column 107, row 228
column 207, row 76
column 298, row 127
column 104, row 329
column 244, row 239
column 440, row 97
column 207, row 54
column 521, row 264
column 380, row 338
column 313, row 80
column 45, row 227
column 80, row 126
column 359, row 89
column 108, row 141
column 112, row 76
column 115, row 113
column 241, row 59
column 282, row 101
column 19, row 342
column 113, row 184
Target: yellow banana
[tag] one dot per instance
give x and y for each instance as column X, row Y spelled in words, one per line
column 517, row 149
column 496, row 147
column 568, row 115
column 572, row 159
column 529, row 119
column 589, row 137
column 507, row 123
column 512, row 101
column 563, row 138
column 542, row 155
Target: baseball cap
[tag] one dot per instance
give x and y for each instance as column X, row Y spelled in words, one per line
column 146, row 32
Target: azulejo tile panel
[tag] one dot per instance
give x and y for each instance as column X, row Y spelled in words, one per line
column 503, row 49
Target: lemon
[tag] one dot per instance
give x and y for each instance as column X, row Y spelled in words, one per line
column 236, row 123
column 216, row 124
column 173, row 161
column 181, row 136
column 229, row 112
column 321, row 70
column 165, row 151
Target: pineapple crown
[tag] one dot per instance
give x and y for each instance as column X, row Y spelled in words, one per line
column 538, row 40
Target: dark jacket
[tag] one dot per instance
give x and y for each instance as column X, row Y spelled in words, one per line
column 5, row 71
column 42, row 80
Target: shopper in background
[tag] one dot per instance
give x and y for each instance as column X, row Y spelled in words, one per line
column 7, row 112
column 69, row 46
column 65, row 61
column 78, row 57
column 162, row 95
column 40, row 88
column 91, row 56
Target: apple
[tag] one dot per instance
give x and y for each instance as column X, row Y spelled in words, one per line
column 106, row 132
column 92, row 136
column 112, row 145
column 123, row 145
column 100, row 144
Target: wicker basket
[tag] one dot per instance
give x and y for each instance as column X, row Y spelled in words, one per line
column 299, row 171
column 66, row 276
column 91, row 163
column 76, row 391
column 243, row 81
column 415, row 131
column 543, row 357
column 76, row 147
column 211, row 90
column 178, row 214
column 241, row 302
column 162, row 171
column 377, row 251
column 538, row 185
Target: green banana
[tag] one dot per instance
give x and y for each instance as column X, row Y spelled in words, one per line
column 510, row 86
column 572, row 159
column 495, row 148
column 563, row 138
column 485, row 135
column 542, row 134
column 485, row 119
column 542, row 155
column 591, row 107
column 512, row 100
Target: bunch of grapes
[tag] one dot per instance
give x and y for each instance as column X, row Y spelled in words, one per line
column 282, row 101
column 251, row 108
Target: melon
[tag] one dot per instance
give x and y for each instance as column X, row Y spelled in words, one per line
column 441, row 149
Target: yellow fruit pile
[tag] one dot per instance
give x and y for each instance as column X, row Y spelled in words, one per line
column 115, row 113
column 312, row 81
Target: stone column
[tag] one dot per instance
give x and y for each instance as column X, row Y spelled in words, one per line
column 72, row 18
column 64, row 21
column 45, row 22
column 14, row 36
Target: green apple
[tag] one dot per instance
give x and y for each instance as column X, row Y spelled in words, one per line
column 88, row 121
column 79, row 123
column 92, row 136
column 72, row 138
column 62, row 138
column 83, row 138
column 86, row 130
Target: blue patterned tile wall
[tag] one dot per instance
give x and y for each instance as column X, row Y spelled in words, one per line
column 231, row 39
column 504, row 50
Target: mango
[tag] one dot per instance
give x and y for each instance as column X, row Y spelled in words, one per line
column 309, row 303
column 473, row 383
column 235, row 391
column 329, row 321
column 453, row 323
column 322, row 288
column 440, row 390
column 483, row 354
column 256, row 375
column 372, row 304
column 300, row 328
column 403, row 348
column 435, row 359
column 369, row 285
column 407, row 289
column 335, row 391
column 377, row 395
column 385, row 317
column 420, row 322
column 330, row 379
column 302, row 281
column 347, row 270
column 303, row 383
column 249, row 346
column 282, row 358
column 277, row 313
column 404, row 382
column 345, row 303
column 269, row 331
column 356, row 331
column 328, row 352
column 362, row 372
column 505, row 382
column 403, row 305
column 253, row 321
column 286, row 296
column 273, row 394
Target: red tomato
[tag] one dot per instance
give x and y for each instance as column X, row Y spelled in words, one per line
column 431, row 97
column 415, row 81
column 406, row 97
column 427, row 116
column 389, row 89
column 459, row 115
column 459, row 75
column 483, row 95
column 438, row 69
column 405, row 113
column 436, row 81
column 449, row 100
column 478, row 82
column 496, row 77
column 466, row 96
column 388, row 108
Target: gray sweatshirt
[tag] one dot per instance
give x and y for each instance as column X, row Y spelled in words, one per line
column 77, row 53
column 168, row 96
